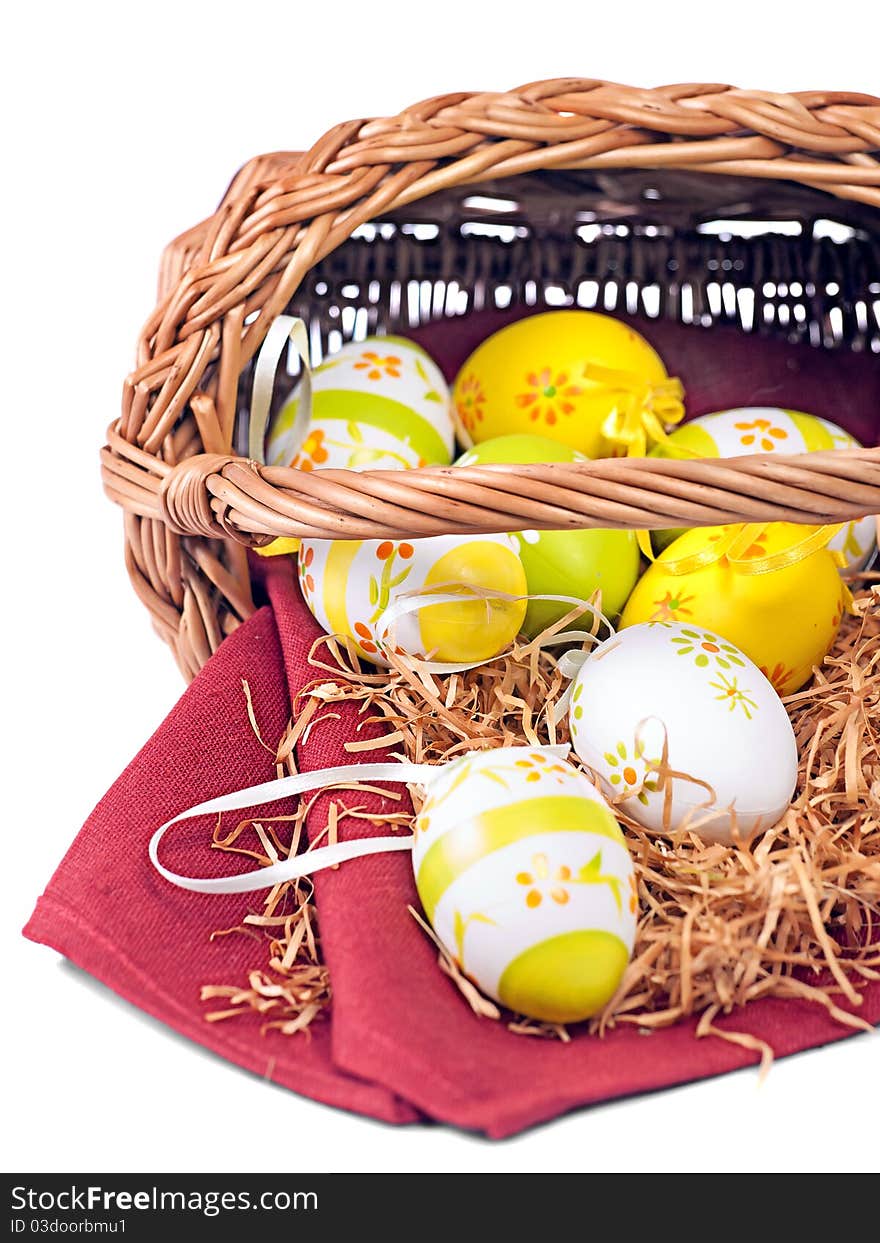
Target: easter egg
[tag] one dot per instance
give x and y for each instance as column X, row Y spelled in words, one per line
column 768, row 429
column 533, row 377
column 379, row 404
column 348, row 585
column 784, row 619
column 525, row 876
column 685, row 690
column 567, row 563
column 519, row 448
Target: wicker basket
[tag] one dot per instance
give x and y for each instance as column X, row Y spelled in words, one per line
column 568, row 192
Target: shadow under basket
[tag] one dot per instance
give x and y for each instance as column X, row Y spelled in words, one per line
column 731, row 225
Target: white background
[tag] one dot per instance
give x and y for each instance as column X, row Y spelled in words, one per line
column 122, row 126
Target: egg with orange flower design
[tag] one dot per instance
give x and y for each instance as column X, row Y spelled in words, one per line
column 353, row 587
column 578, row 377
column 769, row 429
column 378, row 404
column 526, row 878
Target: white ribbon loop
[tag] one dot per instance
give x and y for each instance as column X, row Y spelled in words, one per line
column 310, row 860
column 284, row 329
column 413, row 602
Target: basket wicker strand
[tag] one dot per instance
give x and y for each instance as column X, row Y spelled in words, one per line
column 567, row 192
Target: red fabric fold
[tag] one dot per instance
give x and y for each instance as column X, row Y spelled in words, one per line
column 108, row 911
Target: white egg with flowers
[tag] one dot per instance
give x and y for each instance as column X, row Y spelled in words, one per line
column 684, row 731
column 525, row 876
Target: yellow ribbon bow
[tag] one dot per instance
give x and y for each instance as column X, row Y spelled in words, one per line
column 739, row 543
column 642, row 411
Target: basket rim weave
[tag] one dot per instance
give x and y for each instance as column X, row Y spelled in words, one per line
column 168, row 458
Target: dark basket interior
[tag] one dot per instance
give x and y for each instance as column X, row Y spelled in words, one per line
column 767, row 257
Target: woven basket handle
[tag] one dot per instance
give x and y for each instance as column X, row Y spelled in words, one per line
column 214, row 495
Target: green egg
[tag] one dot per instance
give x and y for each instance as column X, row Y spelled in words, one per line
column 568, row 563
column 519, row 449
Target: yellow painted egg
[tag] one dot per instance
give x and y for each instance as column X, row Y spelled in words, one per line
column 784, row 619
column 525, row 876
column 563, row 563
column 769, row 429
column 683, row 689
column 534, row 376
column 349, row 584
column 380, row 404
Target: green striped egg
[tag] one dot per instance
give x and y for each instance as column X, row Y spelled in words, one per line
column 525, row 876
column 769, row 429
column 380, row 404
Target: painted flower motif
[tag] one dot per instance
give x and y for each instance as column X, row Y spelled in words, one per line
column 777, row 676
column 548, row 395
column 707, row 649
column 470, row 401
column 760, row 433
column 313, row 451
column 730, row 693
column 577, row 708
column 378, row 366
column 540, row 883
column 538, row 766
column 625, row 776
column 305, row 577
column 674, row 606
column 364, row 636
column 380, row 588
column 430, row 393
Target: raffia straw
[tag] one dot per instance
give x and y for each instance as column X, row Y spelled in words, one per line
column 794, row 915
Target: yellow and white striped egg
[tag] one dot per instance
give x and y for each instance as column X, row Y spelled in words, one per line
column 379, row 404
column 769, row 429
column 349, row 584
column 525, row 876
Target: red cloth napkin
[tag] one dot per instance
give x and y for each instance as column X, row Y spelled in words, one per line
column 401, row 1043
column 109, row 912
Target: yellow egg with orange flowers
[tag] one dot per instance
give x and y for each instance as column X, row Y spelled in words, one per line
column 578, row 377
column 767, row 589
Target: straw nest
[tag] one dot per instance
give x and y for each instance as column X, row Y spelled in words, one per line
column 795, row 914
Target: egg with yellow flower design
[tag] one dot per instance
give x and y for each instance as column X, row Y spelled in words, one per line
column 769, row 429
column 684, row 732
column 526, row 878
column 781, row 607
column 351, row 585
column 378, row 404
column 578, row 377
